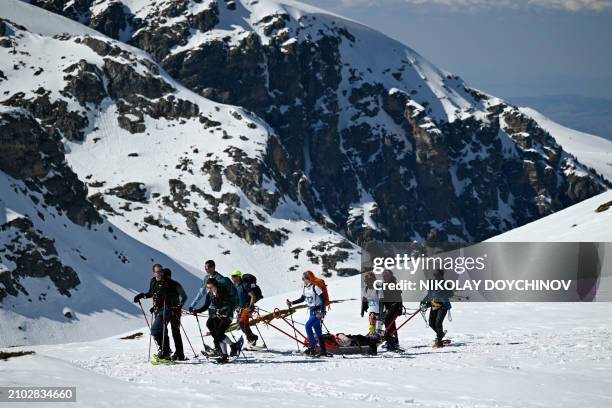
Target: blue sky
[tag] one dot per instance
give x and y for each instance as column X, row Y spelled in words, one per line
column 507, row 48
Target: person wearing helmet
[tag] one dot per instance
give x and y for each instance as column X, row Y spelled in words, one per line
column 313, row 295
column 247, row 298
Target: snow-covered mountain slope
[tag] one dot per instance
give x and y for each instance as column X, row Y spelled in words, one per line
column 108, row 165
column 593, row 151
column 578, row 223
column 502, row 354
column 110, row 153
column 375, row 141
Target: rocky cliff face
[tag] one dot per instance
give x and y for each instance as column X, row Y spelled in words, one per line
column 372, row 139
column 96, row 138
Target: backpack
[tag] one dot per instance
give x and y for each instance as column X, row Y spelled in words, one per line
column 231, row 289
column 320, row 283
column 251, row 282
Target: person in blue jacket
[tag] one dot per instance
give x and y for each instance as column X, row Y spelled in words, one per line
column 440, row 304
column 313, row 296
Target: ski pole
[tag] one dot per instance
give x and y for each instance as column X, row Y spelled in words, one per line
column 201, row 335
column 262, row 338
column 324, row 326
column 144, row 314
column 424, row 318
column 150, row 336
column 295, row 330
column 185, row 312
column 188, row 341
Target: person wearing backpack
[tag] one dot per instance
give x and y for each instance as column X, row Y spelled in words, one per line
column 248, row 294
column 438, row 301
column 323, row 286
column 168, row 297
column 220, row 300
column 223, row 281
column 313, row 295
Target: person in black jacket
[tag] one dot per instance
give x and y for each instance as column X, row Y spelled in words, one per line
column 167, row 298
column 438, row 301
column 393, row 309
column 175, row 323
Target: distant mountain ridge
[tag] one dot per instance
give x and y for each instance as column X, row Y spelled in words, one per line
column 587, row 114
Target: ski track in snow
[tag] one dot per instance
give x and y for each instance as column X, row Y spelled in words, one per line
column 501, row 355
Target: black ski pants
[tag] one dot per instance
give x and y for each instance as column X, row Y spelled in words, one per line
column 217, row 327
column 436, row 320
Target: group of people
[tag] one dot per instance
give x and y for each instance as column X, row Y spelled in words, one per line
column 225, row 298
column 385, row 306
column 222, row 298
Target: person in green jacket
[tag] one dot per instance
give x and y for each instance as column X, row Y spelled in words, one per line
column 221, row 301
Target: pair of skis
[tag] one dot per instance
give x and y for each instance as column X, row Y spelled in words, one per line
column 157, row 360
column 212, row 355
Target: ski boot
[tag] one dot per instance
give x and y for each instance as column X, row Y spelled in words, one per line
column 178, row 357
column 214, row 352
column 223, row 359
column 438, row 344
column 253, row 341
column 236, row 347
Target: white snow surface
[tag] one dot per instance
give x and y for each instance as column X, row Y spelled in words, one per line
column 42, row 21
column 578, row 223
column 501, row 355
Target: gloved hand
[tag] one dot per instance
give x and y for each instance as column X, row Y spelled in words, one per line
column 138, row 297
column 151, row 310
column 191, row 310
column 289, row 303
column 318, row 314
